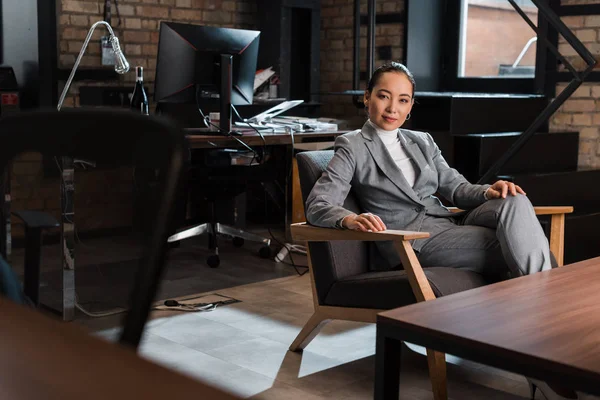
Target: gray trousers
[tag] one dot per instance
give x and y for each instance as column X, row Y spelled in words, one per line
column 501, row 238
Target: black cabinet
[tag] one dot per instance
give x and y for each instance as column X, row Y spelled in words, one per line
column 462, row 113
column 290, row 42
column 475, row 154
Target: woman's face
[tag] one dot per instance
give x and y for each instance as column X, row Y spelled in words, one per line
column 390, row 101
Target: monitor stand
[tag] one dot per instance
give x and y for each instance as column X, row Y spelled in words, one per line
column 225, row 90
column 225, row 93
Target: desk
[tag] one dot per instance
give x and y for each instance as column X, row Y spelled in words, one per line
column 301, row 140
column 543, row 326
column 253, row 139
column 41, row 358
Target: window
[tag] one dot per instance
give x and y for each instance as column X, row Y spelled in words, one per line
column 490, row 47
column 495, row 41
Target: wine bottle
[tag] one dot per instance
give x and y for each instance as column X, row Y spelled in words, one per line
column 139, row 99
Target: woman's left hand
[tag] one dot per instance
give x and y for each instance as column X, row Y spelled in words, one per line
column 501, row 188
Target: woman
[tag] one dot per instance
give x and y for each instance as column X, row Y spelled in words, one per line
column 396, row 173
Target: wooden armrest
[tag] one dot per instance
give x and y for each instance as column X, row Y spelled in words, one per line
column 539, row 210
column 309, row 233
column 551, row 210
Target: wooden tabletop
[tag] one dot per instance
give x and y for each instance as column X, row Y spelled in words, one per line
column 545, row 325
column 252, row 138
column 42, row 358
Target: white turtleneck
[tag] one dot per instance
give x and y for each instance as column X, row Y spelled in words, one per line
column 392, row 143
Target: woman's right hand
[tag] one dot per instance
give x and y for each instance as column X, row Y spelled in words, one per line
column 365, row 222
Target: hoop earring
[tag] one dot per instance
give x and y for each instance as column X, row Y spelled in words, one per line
column 408, row 116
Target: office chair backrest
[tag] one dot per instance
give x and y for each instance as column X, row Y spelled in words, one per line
column 331, row 260
column 112, row 136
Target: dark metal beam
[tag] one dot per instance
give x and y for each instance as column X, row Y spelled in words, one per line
column 541, row 55
column 371, row 39
column 588, row 9
column 564, row 76
column 555, row 22
column 47, row 53
column 551, row 60
column 356, row 53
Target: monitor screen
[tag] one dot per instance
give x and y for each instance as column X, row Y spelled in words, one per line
column 188, row 63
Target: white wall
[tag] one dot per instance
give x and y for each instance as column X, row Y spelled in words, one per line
column 20, row 39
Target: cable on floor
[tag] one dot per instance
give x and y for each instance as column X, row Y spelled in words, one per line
column 98, row 314
column 292, row 263
column 182, row 305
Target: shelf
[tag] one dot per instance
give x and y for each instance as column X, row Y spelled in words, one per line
column 89, row 74
column 384, row 18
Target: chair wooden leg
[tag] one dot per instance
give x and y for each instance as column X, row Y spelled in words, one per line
column 310, row 330
column 437, row 374
column 557, row 237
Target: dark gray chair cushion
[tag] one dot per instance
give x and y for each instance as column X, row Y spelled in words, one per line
column 390, row 289
column 337, row 259
column 332, row 261
column 311, row 165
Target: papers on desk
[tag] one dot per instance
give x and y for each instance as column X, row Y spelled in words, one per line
column 263, row 127
column 302, row 124
column 284, row 124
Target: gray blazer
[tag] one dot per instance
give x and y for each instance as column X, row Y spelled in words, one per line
column 362, row 163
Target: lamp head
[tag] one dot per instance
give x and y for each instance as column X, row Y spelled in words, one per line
column 121, row 64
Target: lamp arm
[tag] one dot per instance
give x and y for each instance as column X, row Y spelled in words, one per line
column 78, row 60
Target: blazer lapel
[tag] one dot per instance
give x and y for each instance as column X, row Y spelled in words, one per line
column 414, row 152
column 385, row 162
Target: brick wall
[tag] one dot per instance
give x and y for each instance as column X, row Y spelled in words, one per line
column 337, row 20
column 103, row 198
column 582, row 111
column 138, row 29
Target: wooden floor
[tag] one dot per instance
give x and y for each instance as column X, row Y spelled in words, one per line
column 242, row 347
column 105, row 269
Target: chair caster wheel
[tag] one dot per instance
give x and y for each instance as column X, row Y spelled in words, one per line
column 238, row 241
column 265, row 252
column 213, row 261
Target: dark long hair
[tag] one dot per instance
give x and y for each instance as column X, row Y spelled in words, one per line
column 391, row 67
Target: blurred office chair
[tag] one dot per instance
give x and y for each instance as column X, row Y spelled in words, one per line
column 114, row 137
column 213, row 177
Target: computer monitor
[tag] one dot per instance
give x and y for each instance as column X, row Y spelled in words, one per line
column 208, row 66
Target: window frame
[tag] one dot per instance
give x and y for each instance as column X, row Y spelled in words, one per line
column 450, row 81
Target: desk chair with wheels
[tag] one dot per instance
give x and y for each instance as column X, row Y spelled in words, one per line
column 217, row 181
column 111, row 138
column 346, row 287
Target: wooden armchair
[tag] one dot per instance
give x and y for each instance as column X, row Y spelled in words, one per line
column 345, row 288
